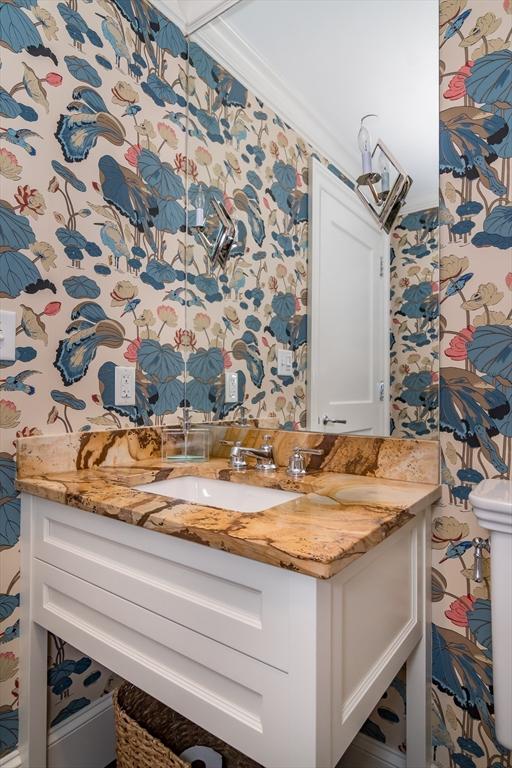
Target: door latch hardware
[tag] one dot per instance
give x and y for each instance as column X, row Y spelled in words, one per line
column 326, row 420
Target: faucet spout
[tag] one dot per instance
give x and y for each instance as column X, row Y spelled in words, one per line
column 264, row 455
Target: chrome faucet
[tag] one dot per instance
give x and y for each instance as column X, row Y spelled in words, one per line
column 264, row 456
column 186, row 420
column 242, row 420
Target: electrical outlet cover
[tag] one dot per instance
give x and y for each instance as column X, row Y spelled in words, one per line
column 7, row 335
column 284, row 362
column 125, row 385
column 231, row 387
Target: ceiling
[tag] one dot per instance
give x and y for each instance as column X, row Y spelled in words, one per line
column 192, row 14
column 322, row 64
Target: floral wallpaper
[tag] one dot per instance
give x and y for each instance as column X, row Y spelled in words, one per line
column 96, row 152
column 387, row 722
column 95, row 155
column 414, row 311
column 91, row 215
column 476, row 363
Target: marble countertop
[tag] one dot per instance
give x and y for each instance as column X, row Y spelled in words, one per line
column 338, row 518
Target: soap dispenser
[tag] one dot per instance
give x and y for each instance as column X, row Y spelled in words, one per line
column 185, row 442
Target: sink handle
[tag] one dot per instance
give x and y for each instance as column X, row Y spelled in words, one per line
column 296, row 466
column 312, row 451
column 478, row 567
column 236, row 458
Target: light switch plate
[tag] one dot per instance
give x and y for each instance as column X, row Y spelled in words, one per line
column 125, row 385
column 7, row 335
column 284, row 362
column 231, row 387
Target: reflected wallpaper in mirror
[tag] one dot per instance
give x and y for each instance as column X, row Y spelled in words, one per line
column 243, row 154
column 414, row 330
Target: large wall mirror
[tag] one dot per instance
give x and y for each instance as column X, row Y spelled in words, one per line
column 312, row 315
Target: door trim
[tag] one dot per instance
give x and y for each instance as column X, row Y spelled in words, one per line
column 319, row 177
column 386, row 332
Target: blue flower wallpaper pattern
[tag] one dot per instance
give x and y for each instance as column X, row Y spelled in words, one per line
column 414, row 333
column 475, row 409
column 106, row 118
column 96, row 154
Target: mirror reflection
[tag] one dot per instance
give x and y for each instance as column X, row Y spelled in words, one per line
column 319, row 149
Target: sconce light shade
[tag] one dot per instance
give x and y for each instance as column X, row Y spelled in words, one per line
column 365, row 145
column 200, row 203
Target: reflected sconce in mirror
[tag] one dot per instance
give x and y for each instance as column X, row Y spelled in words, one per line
column 383, row 184
column 214, row 228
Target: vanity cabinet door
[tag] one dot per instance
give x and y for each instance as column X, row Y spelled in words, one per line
column 239, row 602
column 234, row 696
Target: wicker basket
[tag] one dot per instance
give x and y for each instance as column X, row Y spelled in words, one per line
column 151, row 735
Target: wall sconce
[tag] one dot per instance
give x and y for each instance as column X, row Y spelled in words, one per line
column 215, row 231
column 383, row 191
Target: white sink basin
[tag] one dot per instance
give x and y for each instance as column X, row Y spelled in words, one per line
column 238, row 497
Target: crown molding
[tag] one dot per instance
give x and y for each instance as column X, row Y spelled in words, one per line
column 172, row 9
column 227, row 47
column 169, row 13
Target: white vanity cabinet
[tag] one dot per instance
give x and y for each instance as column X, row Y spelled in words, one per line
column 283, row 666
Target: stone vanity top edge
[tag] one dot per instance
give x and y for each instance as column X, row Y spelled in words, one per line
column 338, row 519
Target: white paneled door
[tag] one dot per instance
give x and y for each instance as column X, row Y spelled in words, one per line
column 348, row 310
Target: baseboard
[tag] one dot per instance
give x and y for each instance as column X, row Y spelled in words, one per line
column 87, row 740
column 369, row 753
column 84, row 740
column 12, row 760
